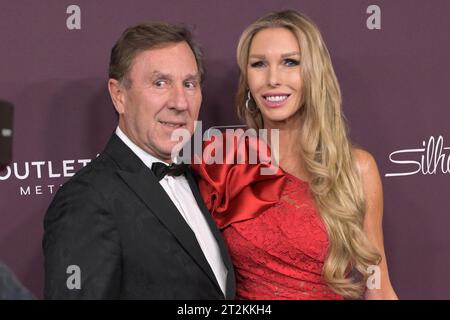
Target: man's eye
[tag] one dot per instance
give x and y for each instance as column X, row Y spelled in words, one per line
column 257, row 64
column 291, row 62
column 160, row 83
column 190, row 84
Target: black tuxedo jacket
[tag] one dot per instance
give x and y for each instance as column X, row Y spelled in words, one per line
column 115, row 222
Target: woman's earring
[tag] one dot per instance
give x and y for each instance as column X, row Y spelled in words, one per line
column 247, row 103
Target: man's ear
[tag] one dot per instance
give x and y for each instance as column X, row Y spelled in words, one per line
column 117, row 93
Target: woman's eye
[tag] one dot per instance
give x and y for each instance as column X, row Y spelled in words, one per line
column 257, row 64
column 291, row 62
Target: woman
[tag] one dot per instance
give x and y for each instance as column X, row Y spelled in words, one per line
column 314, row 229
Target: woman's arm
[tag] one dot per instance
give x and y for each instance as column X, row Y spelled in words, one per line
column 373, row 222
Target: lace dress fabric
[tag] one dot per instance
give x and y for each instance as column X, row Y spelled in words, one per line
column 280, row 253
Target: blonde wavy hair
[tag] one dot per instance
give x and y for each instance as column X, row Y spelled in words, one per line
column 326, row 151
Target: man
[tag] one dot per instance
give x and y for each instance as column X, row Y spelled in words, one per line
column 122, row 228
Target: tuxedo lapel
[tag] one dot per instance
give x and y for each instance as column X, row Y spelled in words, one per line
column 230, row 288
column 144, row 184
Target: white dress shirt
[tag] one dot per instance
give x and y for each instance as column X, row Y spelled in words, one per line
column 177, row 188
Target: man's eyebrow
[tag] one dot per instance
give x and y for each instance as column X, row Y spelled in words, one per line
column 162, row 75
column 159, row 74
column 191, row 77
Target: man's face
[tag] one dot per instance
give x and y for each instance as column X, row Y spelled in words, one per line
column 164, row 95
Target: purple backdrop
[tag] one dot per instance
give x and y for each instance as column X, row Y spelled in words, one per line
column 395, row 82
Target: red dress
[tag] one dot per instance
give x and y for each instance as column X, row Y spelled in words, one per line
column 276, row 238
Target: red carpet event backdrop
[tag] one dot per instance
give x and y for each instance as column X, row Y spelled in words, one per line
column 391, row 58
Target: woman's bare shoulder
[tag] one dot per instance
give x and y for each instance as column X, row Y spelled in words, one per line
column 365, row 162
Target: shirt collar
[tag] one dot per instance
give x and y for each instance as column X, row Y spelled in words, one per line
column 145, row 157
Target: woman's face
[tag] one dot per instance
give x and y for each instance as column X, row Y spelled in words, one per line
column 273, row 74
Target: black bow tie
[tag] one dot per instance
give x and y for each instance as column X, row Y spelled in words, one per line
column 160, row 169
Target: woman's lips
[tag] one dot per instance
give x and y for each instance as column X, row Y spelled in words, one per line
column 275, row 100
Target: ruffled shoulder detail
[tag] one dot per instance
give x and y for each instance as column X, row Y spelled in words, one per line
column 241, row 186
